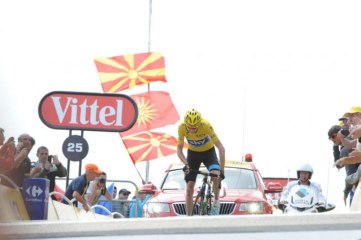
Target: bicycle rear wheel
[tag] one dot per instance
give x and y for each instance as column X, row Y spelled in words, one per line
column 198, row 205
column 208, row 204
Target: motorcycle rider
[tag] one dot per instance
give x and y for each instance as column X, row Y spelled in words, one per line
column 304, row 174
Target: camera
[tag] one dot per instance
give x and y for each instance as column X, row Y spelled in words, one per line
column 101, row 180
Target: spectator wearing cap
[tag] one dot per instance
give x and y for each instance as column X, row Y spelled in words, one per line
column 122, row 205
column 78, row 187
column 354, row 114
column 351, row 161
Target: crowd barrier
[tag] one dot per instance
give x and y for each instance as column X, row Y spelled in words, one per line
column 14, row 208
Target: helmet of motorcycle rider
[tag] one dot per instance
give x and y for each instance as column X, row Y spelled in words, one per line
column 193, row 118
column 305, row 168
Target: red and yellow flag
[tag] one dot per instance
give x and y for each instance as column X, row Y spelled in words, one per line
column 149, row 145
column 155, row 110
column 127, row 71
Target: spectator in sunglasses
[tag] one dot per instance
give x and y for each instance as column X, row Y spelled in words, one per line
column 96, row 189
column 122, row 204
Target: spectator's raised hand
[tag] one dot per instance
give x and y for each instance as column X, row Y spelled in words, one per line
column 356, row 153
column 356, row 132
column 56, row 160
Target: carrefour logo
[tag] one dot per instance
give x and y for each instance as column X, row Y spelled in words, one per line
column 34, row 191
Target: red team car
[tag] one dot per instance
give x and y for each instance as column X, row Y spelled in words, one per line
column 243, row 192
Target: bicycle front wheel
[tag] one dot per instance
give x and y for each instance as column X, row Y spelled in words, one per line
column 203, row 202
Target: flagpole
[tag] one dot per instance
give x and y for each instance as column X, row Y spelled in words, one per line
column 149, row 34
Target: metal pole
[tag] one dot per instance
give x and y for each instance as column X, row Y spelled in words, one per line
column 149, row 24
column 82, row 135
column 68, row 167
column 149, row 44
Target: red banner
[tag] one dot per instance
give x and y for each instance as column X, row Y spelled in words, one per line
column 155, row 110
column 127, row 71
column 150, row 145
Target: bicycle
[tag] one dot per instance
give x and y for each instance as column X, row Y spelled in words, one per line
column 202, row 204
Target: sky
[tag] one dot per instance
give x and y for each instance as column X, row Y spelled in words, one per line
column 271, row 76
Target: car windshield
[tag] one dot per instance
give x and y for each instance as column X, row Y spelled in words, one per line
column 236, row 178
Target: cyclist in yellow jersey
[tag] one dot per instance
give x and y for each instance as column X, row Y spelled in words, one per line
column 201, row 140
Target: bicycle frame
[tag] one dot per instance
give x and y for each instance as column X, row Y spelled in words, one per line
column 203, row 202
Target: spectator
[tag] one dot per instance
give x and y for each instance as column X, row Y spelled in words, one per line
column 7, row 152
column 22, row 163
column 96, row 189
column 48, row 166
column 122, row 205
column 78, row 187
column 144, row 194
column 340, row 138
column 353, row 159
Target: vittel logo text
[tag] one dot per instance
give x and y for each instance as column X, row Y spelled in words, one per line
column 85, row 113
column 88, row 111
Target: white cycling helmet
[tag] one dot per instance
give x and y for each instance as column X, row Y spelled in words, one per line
column 305, row 168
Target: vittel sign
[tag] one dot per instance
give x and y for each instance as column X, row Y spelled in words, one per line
column 88, row 111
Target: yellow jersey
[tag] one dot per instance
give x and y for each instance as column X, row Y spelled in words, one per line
column 201, row 140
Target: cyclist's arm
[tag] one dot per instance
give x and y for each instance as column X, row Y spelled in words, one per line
column 181, row 154
column 180, row 145
column 221, row 152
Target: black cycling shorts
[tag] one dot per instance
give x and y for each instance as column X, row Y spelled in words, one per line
column 208, row 158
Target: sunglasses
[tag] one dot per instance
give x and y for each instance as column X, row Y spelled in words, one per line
column 125, row 194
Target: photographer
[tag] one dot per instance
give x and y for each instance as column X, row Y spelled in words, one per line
column 96, row 189
column 22, row 163
column 48, row 166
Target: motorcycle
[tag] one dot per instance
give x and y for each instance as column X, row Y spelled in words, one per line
column 303, row 199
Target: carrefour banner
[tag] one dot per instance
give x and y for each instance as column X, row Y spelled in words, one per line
column 36, row 196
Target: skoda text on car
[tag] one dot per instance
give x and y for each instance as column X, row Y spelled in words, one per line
column 243, row 192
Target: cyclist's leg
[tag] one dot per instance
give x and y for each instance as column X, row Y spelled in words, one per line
column 190, row 179
column 213, row 166
column 189, row 198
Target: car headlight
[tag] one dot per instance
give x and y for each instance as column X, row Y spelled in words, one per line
column 251, row 207
column 157, row 208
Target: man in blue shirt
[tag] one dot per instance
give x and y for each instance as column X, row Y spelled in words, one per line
column 78, row 187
